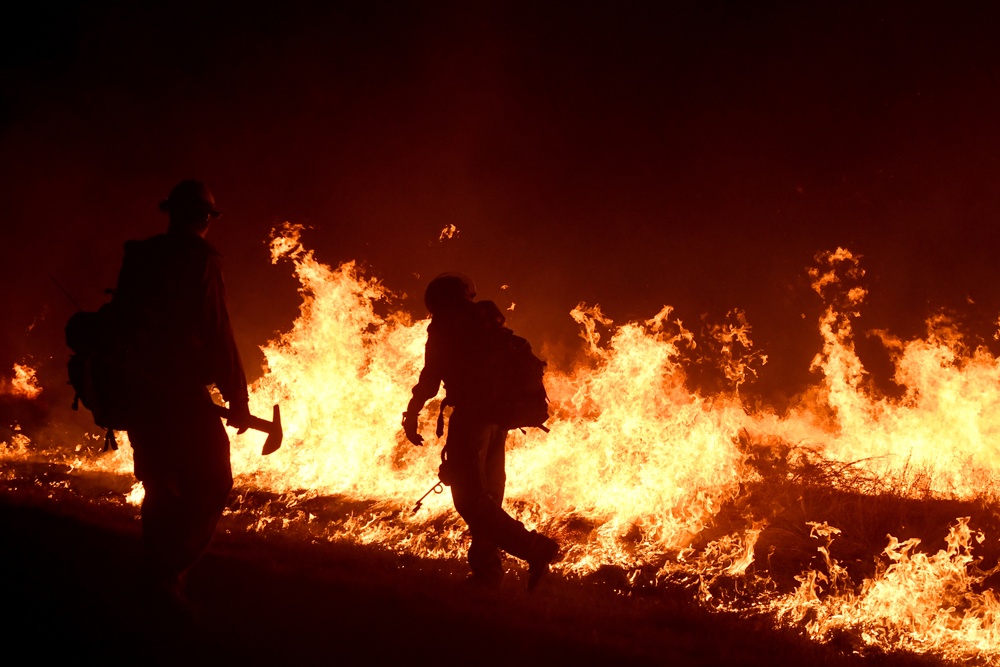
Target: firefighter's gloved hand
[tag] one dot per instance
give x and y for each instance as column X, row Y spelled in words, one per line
column 410, row 428
column 239, row 417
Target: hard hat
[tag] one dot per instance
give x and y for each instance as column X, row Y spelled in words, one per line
column 191, row 197
column 447, row 290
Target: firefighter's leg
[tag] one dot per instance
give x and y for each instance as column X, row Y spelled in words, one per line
column 467, row 449
column 478, row 499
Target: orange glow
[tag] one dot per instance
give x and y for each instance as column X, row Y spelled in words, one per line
column 449, row 231
column 919, row 601
column 638, row 469
column 23, row 384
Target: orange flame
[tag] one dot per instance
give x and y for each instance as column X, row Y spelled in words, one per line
column 637, row 466
column 918, row 601
column 23, row 384
column 449, row 231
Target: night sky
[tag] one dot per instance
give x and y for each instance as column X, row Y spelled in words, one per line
column 696, row 154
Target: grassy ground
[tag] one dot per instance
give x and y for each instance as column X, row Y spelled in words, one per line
column 71, row 565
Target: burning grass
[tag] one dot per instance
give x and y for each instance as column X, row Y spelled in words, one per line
column 864, row 522
column 794, row 551
column 858, row 559
column 273, row 590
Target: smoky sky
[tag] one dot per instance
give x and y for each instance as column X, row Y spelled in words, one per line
column 696, row 154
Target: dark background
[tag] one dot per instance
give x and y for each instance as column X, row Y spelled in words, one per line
column 696, row 154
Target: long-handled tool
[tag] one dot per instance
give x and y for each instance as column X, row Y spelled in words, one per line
column 272, row 428
column 437, row 488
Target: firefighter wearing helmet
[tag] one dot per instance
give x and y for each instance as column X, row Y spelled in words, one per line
column 473, row 456
column 448, row 291
column 172, row 303
column 190, row 204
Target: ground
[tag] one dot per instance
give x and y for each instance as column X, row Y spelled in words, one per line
column 72, row 572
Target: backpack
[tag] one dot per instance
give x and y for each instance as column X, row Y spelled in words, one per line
column 516, row 375
column 98, row 369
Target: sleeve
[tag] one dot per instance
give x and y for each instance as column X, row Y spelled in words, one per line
column 220, row 345
column 431, row 375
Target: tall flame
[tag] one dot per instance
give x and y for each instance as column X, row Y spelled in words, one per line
column 640, row 472
column 615, row 456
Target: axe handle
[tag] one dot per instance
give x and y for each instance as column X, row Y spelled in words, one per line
column 256, row 423
column 272, row 428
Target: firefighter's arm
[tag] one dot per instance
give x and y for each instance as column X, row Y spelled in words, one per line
column 239, row 416
column 425, row 389
column 410, row 428
column 422, row 392
column 223, row 355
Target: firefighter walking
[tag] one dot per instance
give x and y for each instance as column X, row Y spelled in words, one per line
column 171, row 296
column 457, row 354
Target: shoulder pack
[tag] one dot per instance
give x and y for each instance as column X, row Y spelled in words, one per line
column 517, row 378
column 98, row 369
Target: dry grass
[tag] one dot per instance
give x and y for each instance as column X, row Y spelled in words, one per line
column 283, row 596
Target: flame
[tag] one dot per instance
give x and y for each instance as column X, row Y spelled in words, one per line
column 449, row 231
column 24, row 383
column 135, row 495
column 641, row 473
column 343, row 375
column 16, row 448
column 919, row 600
column 940, row 439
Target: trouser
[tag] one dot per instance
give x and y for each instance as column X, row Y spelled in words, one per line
column 181, row 454
column 177, row 527
column 475, row 452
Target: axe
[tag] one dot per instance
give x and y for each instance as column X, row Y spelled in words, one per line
column 272, row 428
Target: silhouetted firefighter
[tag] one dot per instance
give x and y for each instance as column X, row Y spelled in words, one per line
column 470, row 350
column 171, row 309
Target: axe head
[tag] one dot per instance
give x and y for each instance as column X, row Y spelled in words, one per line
column 272, row 428
column 274, row 434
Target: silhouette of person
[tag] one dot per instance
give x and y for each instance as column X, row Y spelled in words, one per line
column 170, row 298
column 473, row 458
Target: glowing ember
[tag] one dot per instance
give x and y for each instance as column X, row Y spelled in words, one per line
column 448, row 232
